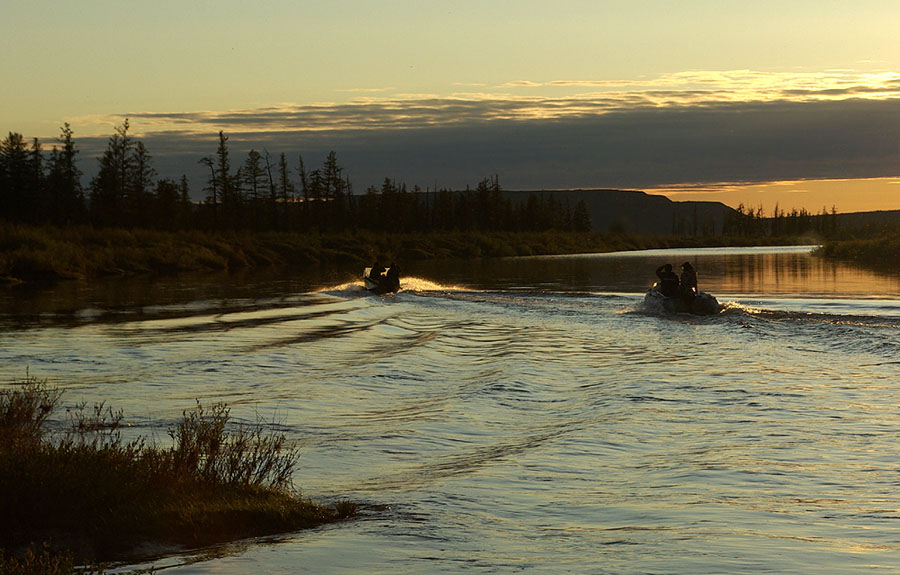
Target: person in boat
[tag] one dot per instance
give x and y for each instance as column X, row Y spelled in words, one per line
column 377, row 271
column 688, row 284
column 392, row 277
column 668, row 280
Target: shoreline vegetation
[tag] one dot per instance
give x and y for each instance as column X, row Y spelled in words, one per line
column 49, row 253
column 879, row 253
column 265, row 210
column 79, row 493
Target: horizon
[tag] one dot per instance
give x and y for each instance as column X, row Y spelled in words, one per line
column 702, row 103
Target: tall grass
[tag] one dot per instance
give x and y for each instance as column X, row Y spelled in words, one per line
column 39, row 560
column 52, row 253
column 87, row 490
column 881, row 253
column 245, row 456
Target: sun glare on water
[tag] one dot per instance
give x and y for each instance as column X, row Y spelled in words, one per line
column 407, row 284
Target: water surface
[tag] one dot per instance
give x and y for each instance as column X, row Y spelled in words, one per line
column 528, row 414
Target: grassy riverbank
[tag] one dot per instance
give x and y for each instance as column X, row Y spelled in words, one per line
column 84, row 494
column 881, row 253
column 29, row 253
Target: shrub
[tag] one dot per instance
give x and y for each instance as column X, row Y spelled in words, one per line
column 246, row 456
column 23, row 412
column 100, row 496
column 39, row 560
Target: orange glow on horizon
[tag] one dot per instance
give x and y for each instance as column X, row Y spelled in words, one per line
column 846, row 196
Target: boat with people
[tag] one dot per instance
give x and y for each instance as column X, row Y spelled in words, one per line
column 701, row 304
column 381, row 280
column 679, row 295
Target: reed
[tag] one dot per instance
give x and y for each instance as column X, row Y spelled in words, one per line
column 40, row 560
column 880, row 253
column 86, row 490
column 29, row 253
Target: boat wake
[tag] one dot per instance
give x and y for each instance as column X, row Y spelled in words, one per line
column 414, row 285
column 862, row 312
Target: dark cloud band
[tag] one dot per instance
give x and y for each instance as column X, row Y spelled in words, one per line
column 451, row 143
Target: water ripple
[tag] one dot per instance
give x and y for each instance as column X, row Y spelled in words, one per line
column 533, row 430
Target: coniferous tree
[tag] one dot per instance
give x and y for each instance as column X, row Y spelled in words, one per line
column 443, row 211
column 14, row 175
column 581, row 218
column 253, row 179
column 105, row 199
column 212, row 190
column 65, row 194
column 165, row 214
column 333, row 192
column 351, row 202
column 485, row 209
column 5, row 190
column 35, row 194
column 272, row 198
column 316, row 195
column 140, row 188
column 775, row 224
column 285, row 190
column 110, row 187
column 185, row 206
column 5, row 208
column 230, row 196
column 304, row 193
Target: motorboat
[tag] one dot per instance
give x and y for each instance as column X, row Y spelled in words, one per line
column 702, row 304
column 388, row 281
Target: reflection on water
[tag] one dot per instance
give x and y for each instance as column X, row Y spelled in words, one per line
column 788, row 271
column 751, row 271
column 527, row 414
column 76, row 299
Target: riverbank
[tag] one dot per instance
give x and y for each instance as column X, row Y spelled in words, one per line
column 91, row 496
column 29, row 253
column 882, row 253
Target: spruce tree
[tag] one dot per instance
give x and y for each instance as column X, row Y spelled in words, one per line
column 110, row 187
column 14, row 161
column 581, row 218
column 65, row 193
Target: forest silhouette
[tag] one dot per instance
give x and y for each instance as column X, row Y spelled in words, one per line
column 261, row 193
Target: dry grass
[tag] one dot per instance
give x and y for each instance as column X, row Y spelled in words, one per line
column 30, row 253
column 881, row 253
column 88, row 491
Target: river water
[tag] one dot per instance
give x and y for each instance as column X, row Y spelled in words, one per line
column 523, row 415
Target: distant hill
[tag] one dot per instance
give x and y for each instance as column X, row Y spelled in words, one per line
column 639, row 212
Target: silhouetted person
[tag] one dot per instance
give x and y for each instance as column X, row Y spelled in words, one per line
column 688, row 284
column 668, row 280
column 376, row 272
column 392, row 278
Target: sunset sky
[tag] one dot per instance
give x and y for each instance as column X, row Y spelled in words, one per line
column 795, row 102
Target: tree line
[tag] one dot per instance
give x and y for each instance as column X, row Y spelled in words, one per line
column 751, row 222
column 263, row 192
column 259, row 192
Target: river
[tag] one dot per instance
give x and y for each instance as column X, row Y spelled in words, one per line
column 525, row 414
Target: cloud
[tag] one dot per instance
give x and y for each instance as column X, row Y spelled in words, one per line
column 519, row 100
column 646, row 147
column 688, row 128
column 365, row 90
column 735, row 85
